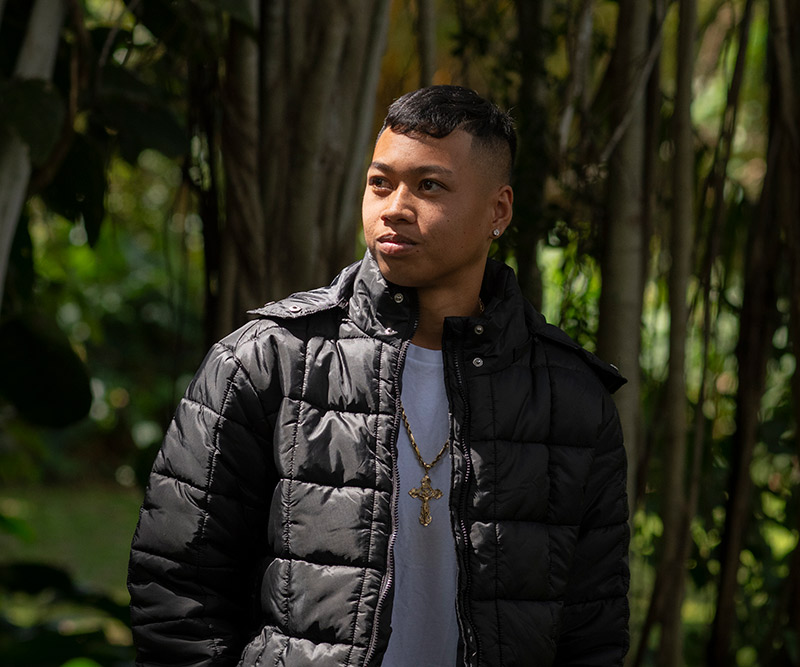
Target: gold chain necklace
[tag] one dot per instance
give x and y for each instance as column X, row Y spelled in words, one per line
column 425, row 492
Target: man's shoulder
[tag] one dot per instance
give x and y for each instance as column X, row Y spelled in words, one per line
column 292, row 315
column 287, row 323
column 567, row 352
column 311, row 302
column 562, row 349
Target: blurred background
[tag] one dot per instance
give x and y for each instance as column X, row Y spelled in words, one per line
column 167, row 164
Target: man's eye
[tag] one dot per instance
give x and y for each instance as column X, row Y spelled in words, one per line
column 378, row 182
column 429, row 185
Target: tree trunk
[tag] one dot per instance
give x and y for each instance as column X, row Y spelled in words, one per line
column 755, row 337
column 204, row 93
column 532, row 158
column 757, row 324
column 319, row 69
column 426, row 41
column 654, row 100
column 624, row 252
column 674, row 510
column 35, row 61
column 784, row 33
column 243, row 244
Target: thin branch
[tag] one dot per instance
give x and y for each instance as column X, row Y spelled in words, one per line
column 717, row 176
column 105, row 52
column 636, row 97
column 577, row 81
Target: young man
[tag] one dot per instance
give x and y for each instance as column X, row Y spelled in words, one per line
column 406, row 468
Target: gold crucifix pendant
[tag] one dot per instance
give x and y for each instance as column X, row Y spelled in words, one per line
column 425, row 493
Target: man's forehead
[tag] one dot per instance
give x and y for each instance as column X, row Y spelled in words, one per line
column 432, row 169
column 393, row 146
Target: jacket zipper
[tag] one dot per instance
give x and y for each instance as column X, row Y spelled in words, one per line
column 468, row 632
column 386, row 585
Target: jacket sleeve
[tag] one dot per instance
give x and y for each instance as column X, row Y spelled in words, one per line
column 595, row 622
column 200, row 541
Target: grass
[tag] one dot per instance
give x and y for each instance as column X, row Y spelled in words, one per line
column 85, row 530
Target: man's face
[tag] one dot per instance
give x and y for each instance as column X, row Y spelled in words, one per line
column 429, row 210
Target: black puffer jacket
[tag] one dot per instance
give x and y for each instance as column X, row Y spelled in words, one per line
column 265, row 535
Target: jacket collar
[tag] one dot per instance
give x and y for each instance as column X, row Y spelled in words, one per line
column 380, row 309
column 501, row 334
column 388, row 312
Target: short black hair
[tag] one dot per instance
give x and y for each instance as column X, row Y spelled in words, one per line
column 439, row 110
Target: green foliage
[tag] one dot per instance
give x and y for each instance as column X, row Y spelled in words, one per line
column 46, row 618
column 117, row 290
column 81, row 662
column 49, row 620
column 131, row 308
column 16, row 527
column 571, row 278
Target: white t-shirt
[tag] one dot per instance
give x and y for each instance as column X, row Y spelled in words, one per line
column 424, row 624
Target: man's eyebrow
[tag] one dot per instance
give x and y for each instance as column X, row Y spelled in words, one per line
column 422, row 169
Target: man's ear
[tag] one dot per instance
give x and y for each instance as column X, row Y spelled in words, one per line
column 503, row 209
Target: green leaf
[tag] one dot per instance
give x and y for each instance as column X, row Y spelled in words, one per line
column 33, row 578
column 78, row 189
column 120, row 83
column 167, row 21
column 81, row 662
column 139, row 115
column 142, row 125
column 43, row 645
column 42, row 376
column 21, row 274
column 33, row 110
column 16, row 527
column 111, row 37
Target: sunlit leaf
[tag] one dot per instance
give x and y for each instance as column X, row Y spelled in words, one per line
column 81, row 662
column 161, row 19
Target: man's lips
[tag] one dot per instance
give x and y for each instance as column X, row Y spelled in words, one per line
column 397, row 239
column 395, row 243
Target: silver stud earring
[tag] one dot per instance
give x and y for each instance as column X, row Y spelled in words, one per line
column 495, row 232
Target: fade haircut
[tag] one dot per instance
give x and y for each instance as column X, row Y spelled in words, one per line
column 439, row 110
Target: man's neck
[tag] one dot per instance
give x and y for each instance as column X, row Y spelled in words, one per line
column 435, row 306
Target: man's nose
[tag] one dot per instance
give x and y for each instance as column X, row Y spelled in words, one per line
column 398, row 206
